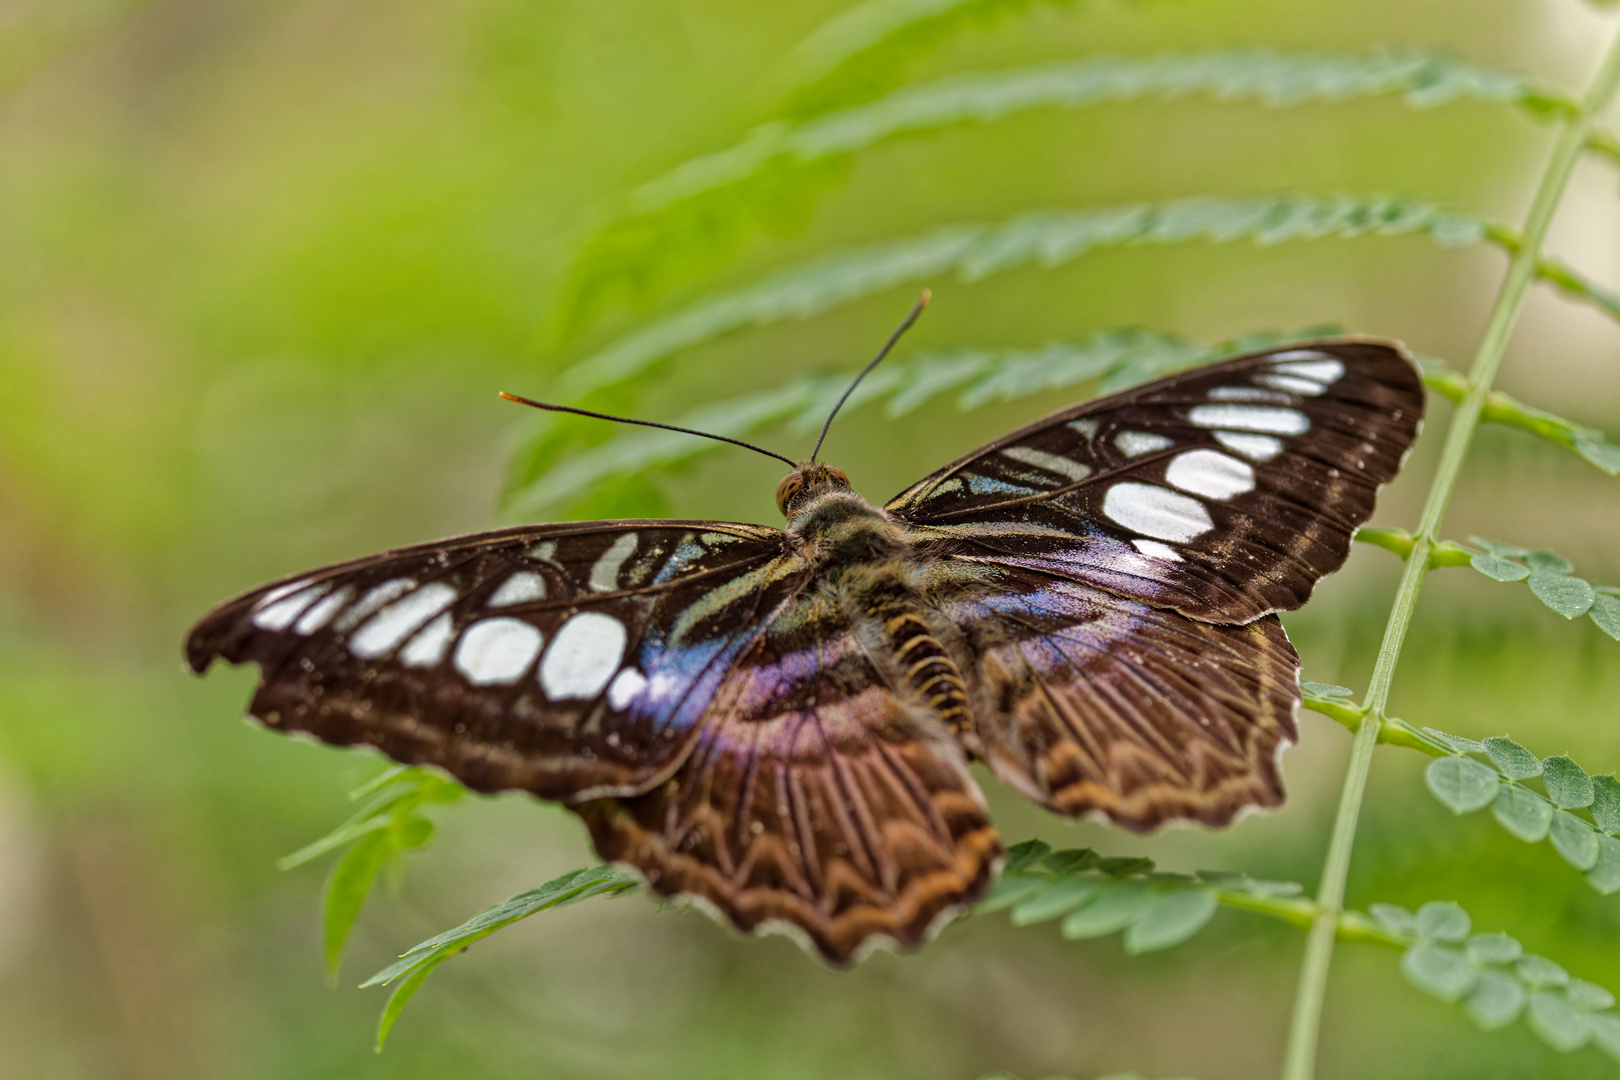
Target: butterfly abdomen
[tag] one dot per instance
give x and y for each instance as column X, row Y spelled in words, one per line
column 928, row 669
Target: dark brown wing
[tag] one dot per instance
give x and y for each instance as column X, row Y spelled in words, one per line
column 1224, row 493
column 564, row 660
column 1093, row 703
column 812, row 801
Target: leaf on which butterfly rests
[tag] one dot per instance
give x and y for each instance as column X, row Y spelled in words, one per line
column 1570, row 596
column 1523, row 813
column 1463, row 784
column 1060, row 899
column 1325, row 690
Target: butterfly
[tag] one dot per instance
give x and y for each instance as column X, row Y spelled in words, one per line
column 777, row 722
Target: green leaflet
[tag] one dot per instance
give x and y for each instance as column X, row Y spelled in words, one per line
column 1550, row 578
column 388, row 824
column 974, row 251
column 419, row 961
column 1496, row 982
column 1465, row 784
column 702, row 209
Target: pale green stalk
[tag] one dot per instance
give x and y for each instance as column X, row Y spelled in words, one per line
column 1302, row 1037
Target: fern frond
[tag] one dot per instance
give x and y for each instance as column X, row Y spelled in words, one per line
column 699, row 211
column 1112, row 358
column 1047, row 238
column 412, row 969
column 864, row 51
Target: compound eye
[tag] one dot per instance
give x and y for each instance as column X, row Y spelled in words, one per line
column 838, row 474
column 789, row 487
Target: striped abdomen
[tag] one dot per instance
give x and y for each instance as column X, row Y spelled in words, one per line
column 929, row 670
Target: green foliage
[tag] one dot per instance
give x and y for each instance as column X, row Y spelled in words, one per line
column 1497, row 981
column 1112, row 359
column 388, row 823
column 698, row 212
column 864, row 50
column 418, row 962
column 1549, row 576
column 1465, row 784
column 1097, row 896
column 1590, row 443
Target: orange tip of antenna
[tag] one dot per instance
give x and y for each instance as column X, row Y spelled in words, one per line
column 510, row 397
column 927, row 295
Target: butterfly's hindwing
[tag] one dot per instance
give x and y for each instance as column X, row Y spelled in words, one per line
column 563, row 660
column 812, row 799
column 1224, row 493
column 1094, row 703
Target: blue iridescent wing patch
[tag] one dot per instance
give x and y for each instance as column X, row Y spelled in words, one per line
column 565, row 660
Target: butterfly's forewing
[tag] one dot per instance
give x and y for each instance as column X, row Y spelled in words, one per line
column 1104, row 704
column 812, row 800
column 1223, row 493
column 564, row 660
column 683, row 686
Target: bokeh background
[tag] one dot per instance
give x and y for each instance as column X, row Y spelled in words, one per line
column 264, row 265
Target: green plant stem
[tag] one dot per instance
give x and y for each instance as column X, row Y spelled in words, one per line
column 1300, row 1062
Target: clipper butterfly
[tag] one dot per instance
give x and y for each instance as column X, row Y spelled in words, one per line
column 778, row 721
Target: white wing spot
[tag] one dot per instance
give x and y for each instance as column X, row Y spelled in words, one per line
column 605, row 574
column 1137, row 443
column 1085, row 427
column 1210, row 473
column 394, row 623
column 1323, row 369
column 1253, row 447
column 426, row 649
column 626, row 686
column 1155, row 550
column 583, row 657
column 1251, row 418
column 953, row 484
column 375, row 598
column 321, row 614
column 520, row 588
column 1052, row 463
column 714, row 539
column 1157, row 512
column 279, row 607
column 1249, row 393
column 496, row 651
column 1292, row 384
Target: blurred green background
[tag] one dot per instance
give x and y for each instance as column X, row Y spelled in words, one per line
column 264, row 265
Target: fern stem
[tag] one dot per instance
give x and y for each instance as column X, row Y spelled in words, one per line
column 1307, row 1021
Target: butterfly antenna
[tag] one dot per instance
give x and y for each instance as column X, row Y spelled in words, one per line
column 916, row 310
column 548, row 407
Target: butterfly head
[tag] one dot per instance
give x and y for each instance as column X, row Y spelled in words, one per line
column 806, row 482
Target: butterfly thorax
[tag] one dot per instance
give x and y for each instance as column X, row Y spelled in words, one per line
column 871, row 572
